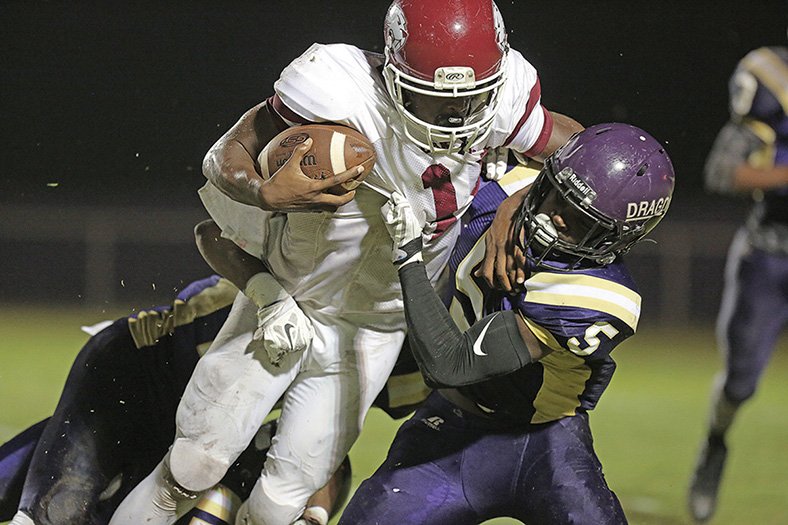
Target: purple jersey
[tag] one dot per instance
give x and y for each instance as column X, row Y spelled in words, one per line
column 759, row 99
column 582, row 315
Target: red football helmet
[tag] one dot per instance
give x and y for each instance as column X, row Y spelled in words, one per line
column 445, row 65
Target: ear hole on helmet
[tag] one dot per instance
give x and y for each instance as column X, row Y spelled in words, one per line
column 641, row 170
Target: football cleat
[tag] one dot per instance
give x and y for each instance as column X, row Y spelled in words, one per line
column 706, row 479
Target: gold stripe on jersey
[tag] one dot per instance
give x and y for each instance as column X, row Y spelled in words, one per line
column 542, row 334
column 763, row 157
column 771, row 71
column 584, row 291
column 151, row 325
column 564, row 377
column 458, row 315
column 407, row 389
column 518, row 178
column 203, row 347
column 464, row 284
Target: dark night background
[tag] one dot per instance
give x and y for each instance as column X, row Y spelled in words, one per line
column 113, row 104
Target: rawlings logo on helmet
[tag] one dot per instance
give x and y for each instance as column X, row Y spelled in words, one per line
column 396, row 28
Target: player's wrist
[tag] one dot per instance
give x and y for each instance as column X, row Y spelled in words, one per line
column 263, row 289
column 408, row 253
column 415, row 258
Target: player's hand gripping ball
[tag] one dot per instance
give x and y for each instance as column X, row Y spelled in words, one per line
column 335, row 149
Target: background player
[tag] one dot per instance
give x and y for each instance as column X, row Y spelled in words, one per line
column 508, row 433
column 115, row 419
column 447, row 88
column 750, row 155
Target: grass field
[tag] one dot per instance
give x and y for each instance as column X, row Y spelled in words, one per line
column 647, row 428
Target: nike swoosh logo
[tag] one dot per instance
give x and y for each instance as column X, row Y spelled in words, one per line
column 477, row 345
column 289, row 328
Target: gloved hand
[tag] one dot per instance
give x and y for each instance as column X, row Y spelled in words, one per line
column 496, row 161
column 283, row 328
column 404, row 229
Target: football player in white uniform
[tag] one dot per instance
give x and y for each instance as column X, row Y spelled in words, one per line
column 447, row 90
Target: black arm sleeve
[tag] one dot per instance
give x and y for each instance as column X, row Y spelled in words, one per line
column 448, row 357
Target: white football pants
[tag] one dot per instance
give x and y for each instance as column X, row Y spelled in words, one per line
column 328, row 390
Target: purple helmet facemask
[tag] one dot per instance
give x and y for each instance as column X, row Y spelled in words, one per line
column 617, row 179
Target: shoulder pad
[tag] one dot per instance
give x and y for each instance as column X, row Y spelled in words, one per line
column 585, row 297
column 520, row 99
column 759, row 86
column 323, row 83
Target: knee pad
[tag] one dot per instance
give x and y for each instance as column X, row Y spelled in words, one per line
column 193, row 467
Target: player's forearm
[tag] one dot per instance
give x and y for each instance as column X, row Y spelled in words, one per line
column 563, row 128
column 230, row 164
column 747, row 178
column 448, row 357
column 230, row 168
column 224, row 256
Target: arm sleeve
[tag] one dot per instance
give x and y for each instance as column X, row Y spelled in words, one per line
column 448, row 357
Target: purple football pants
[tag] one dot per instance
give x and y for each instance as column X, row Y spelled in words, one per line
column 753, row 313
column 447, row 466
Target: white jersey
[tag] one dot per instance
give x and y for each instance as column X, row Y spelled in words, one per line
column 339, row 263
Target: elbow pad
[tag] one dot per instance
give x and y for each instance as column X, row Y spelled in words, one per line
column 490, row 348
column 448, row 357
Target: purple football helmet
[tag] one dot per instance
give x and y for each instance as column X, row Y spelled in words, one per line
column 614, row 180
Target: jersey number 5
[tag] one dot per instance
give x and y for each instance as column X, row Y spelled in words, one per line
column 591, row 338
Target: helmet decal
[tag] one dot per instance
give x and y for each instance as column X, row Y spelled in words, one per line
column 396, row 28
column 500, row 28
column 637, row 211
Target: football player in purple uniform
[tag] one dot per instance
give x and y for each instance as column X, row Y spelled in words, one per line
column 115, row 419
column 749, row 155
column 507, row 432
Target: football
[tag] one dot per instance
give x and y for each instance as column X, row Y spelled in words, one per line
column 335, row 149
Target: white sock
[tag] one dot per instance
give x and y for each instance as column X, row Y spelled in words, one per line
column 317, row 515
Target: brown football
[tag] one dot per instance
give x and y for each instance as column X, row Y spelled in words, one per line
column 335, row 149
